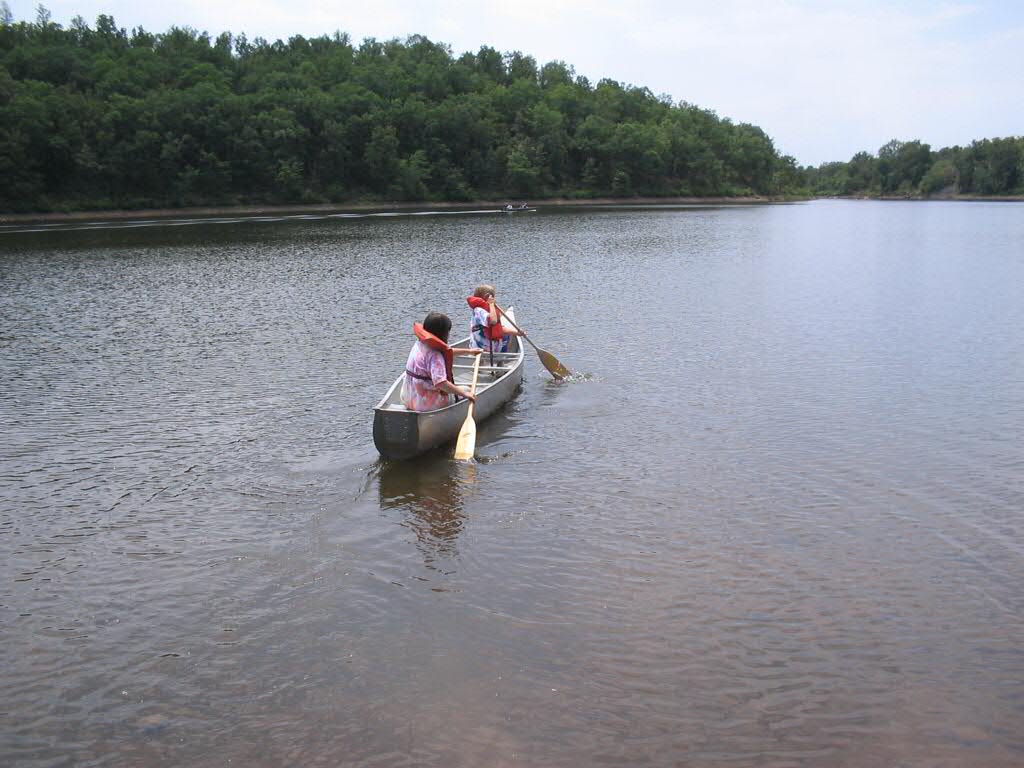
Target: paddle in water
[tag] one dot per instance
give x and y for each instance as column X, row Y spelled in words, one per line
column 550, row 362
column 465, row 446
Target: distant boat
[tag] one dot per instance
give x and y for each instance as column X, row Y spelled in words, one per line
column 509, row 208
column 400, row 433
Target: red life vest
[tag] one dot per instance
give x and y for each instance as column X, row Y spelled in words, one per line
column 493, row 332
column 435, row 343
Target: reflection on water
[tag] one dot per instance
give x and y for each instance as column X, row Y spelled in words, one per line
column 432, row 490
column 774, row 519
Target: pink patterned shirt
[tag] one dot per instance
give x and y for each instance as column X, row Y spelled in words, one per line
column 420, row 394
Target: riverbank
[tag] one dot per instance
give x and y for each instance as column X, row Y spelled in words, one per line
column 328, row 208
column 933, row 198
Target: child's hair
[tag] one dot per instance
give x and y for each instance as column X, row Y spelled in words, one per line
column 482, row 291
column 438, row 324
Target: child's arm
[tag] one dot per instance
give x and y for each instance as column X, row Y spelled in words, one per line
column 496, row 314
column 451, row 389
column 466, row 350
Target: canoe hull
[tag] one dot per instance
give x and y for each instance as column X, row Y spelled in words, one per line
column 401, row 434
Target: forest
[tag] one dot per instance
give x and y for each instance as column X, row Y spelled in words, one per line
column 96, row 117
column 987, row 168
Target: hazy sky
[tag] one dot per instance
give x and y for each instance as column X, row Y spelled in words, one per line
column 824, row 79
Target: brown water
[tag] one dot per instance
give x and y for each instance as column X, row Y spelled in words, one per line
column 776, row 519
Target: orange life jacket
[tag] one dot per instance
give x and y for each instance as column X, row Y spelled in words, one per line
column 493, row 332
column 435, row 343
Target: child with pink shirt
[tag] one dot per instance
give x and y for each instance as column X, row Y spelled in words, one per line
column 429, row 382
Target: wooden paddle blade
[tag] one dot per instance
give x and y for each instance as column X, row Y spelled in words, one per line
column 465, row 447
column 550, row 362
column 556, row 369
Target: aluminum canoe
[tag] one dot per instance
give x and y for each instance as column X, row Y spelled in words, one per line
column 400, row 433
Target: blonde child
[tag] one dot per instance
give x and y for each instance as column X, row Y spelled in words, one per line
column 486, row 330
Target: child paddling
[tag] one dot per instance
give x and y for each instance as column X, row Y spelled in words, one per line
column 487, row 332
column 429, row 382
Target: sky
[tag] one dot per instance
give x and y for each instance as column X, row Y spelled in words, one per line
column 824, row 79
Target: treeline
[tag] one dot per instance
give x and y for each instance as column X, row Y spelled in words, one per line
column 102, row 118
column 911, row 169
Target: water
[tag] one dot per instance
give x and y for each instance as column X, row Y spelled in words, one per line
column 775, row 519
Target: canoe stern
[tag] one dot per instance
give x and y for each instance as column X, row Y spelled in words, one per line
column 396, row 433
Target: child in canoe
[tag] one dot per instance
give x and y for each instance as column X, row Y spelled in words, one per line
column 486, row 331
column 429, row 381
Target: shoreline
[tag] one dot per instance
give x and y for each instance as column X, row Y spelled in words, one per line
column 328, row 208
column 213, row 211
column 936, row 198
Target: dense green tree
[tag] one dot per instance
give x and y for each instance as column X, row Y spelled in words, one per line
column 941, row 176
column 987, row 167
column 100, row 116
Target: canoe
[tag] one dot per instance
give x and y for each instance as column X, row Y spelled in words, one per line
column 400, row 433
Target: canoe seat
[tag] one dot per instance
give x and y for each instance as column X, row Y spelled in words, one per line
column 396, row 407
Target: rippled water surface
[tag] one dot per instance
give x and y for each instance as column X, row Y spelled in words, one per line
column 775, row 519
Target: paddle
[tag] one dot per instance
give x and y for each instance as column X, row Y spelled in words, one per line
column 465, row 446
column 554, row 367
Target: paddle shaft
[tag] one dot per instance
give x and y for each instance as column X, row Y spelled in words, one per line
column 513, row 324
column 472, row 384
column 555, row 368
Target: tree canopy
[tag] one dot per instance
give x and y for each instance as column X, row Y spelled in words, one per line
column 992, row 167
column 97, row 117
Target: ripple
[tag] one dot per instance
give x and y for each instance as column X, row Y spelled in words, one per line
column 779, row 525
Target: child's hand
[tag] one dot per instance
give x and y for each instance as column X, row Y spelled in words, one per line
column 475, row 351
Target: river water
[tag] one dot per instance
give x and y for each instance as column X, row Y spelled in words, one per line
column 776, row 517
